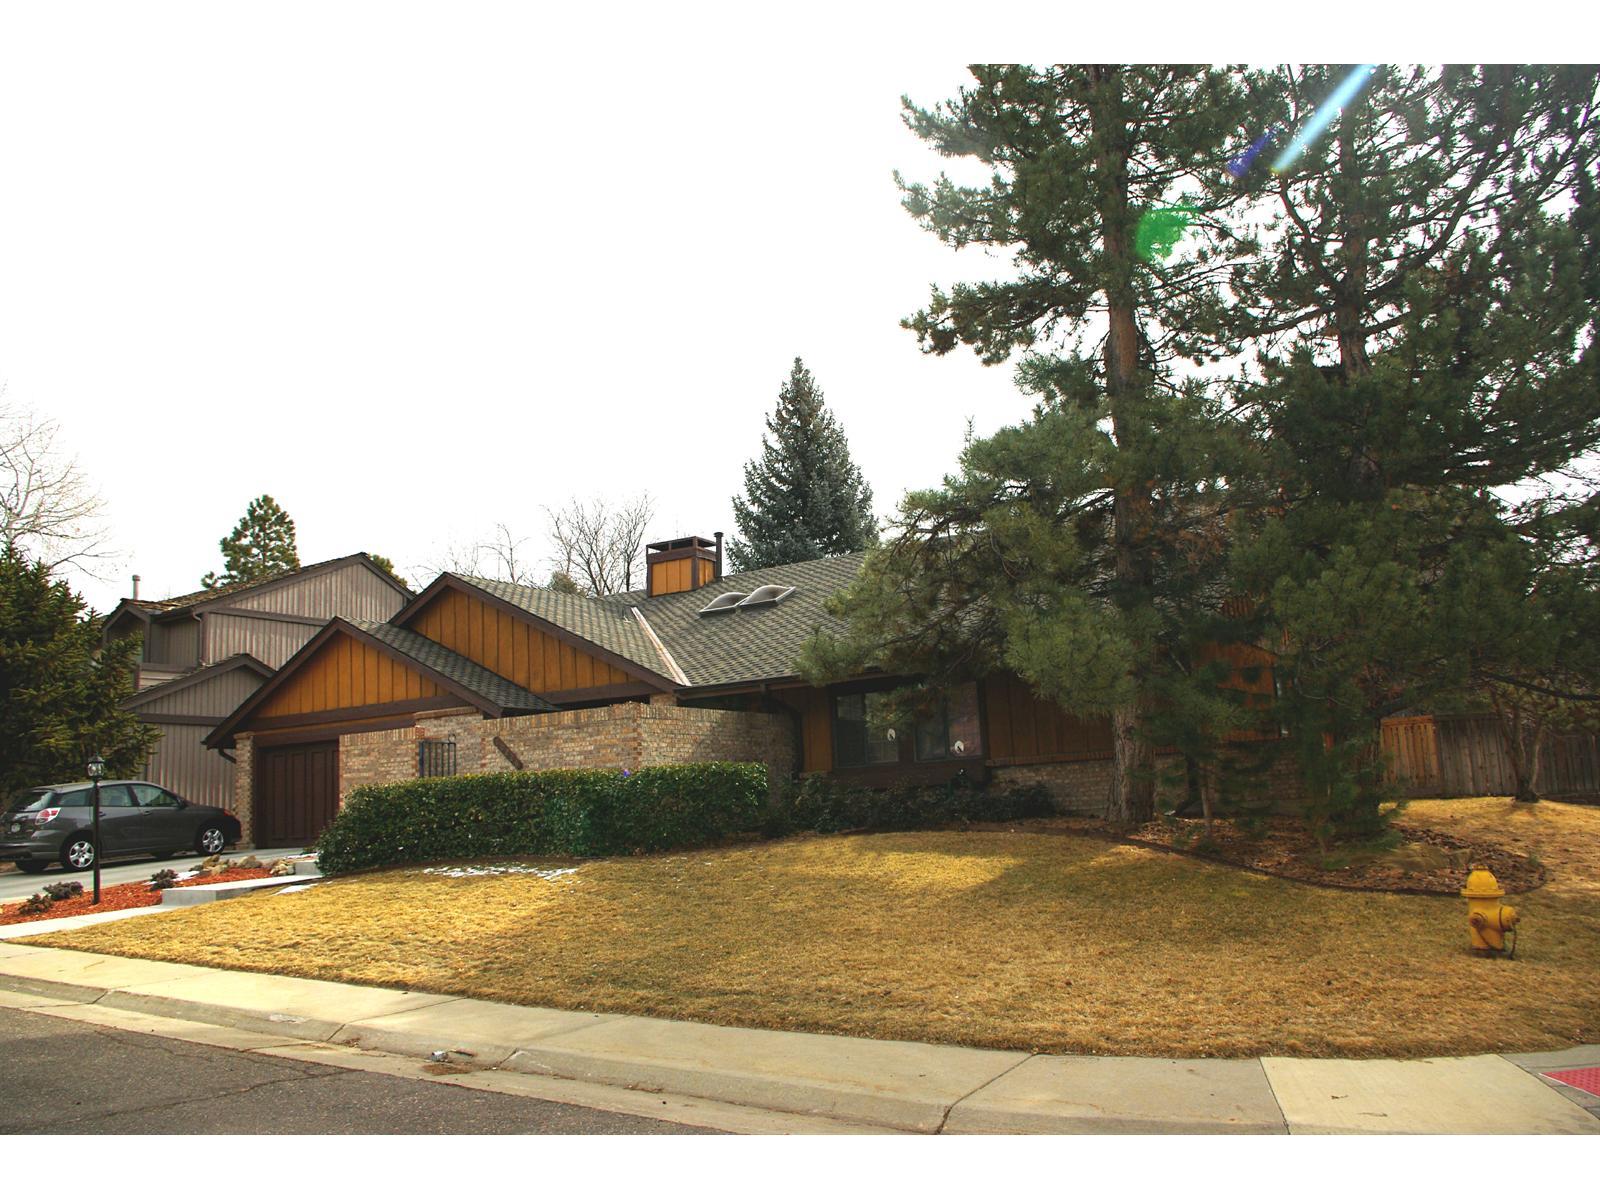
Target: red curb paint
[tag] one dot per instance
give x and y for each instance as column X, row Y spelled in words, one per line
column 1585, row 1079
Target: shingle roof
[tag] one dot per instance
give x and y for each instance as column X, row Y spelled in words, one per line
column 605, row 623
column 461, row 671
column 749, row 643
column 204, row 595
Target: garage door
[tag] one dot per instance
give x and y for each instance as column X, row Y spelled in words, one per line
column 297, row 792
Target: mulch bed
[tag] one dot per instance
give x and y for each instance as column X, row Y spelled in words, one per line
column 117, row 896
column 1286, row 850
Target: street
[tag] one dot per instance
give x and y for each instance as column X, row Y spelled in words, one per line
column 14, row 885
column 63, row 1076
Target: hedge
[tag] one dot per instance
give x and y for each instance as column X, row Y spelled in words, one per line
column 825, row 805
column 580, row 812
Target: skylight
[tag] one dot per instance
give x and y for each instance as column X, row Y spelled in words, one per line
column 770, row 594
column 726, row 602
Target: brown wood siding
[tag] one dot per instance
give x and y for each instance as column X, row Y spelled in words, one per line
column 816, row 727
column 512, row 648
column 671, row 576
column 272, row 642
column 174, row 642
column 1022, row 727
column 345, row 673
column 296, row 793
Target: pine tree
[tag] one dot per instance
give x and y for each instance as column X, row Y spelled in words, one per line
column 261, row 545
column 60, row 691
column 1426, row 315
column 804, row 497
column 1076, row 547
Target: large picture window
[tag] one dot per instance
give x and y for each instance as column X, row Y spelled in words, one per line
column 860, row 739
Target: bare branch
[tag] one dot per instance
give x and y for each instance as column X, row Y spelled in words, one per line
column 48, row 511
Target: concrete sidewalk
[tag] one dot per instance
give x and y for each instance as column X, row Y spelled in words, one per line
column 854, row 1082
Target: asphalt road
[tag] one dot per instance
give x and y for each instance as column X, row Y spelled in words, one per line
column 61, row 1076
column 14, row 885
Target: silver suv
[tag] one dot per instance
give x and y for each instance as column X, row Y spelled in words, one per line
column 45, row 825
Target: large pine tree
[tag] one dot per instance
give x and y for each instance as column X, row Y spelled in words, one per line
column 60, row 690
column 261, row 544
column 1074, row 547
column 804, row 497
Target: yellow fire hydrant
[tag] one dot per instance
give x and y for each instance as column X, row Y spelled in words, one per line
column 1489, row 920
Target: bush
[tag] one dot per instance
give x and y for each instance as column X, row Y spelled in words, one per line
column 164, row 878
column 64, row 891
column 825, row 805
column 35, row 904
column 577, row 812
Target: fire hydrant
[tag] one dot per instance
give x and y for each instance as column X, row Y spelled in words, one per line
column 1489, row 920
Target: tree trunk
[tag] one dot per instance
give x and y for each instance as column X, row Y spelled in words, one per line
column 1133, row 778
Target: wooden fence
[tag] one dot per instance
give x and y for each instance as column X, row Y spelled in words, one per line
column 1466, row 756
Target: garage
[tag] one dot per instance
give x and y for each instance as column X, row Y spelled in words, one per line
column 296, row 792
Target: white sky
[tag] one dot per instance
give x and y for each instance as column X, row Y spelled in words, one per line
column 414, row 270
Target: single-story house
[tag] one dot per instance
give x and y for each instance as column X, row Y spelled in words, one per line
column 205, row 653
column 480, row 675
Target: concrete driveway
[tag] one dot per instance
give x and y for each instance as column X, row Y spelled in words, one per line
column 14, row 885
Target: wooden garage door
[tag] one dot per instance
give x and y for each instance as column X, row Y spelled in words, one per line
column 297, row 792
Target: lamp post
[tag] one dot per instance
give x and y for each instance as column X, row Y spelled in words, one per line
column 96, row 768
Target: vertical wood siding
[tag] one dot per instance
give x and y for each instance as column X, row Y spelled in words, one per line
column 674, row 575
column 214, row 697
column 816, row 727
column 1024, row 728
column 174, row 642
column 1466, row 756
column 273, row 642
column 181, row 763
column 345, row 673
column 352, row 591
column 511, row 648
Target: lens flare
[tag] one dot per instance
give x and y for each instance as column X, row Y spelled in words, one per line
column 1323, row 117
column 1240, row 163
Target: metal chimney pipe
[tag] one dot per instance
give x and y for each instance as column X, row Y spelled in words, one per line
column 719, row 552
column 135, row 587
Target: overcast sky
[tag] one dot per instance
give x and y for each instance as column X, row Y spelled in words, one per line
column 416, row 270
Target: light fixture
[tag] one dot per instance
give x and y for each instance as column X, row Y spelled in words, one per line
column 96, row 767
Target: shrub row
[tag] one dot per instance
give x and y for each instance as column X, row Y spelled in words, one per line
column 823, row 804
column 567, row 812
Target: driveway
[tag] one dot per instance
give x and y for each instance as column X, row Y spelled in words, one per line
column 14, row 885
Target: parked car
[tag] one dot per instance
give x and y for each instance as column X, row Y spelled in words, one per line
column 50, row 824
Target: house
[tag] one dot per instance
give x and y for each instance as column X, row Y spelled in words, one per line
column 207, row 652
column 479, row 675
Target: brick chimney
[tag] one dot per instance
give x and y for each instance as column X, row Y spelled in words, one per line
column 682, row 565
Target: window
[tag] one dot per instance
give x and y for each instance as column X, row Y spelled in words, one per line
column 112, row 795
column 148, row 795
column 951, row 730
column 855, row 742
column 436, row 757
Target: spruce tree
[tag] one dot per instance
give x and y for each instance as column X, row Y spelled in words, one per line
column 1078, row 548
column 60, row 690
column 803, row 498
column 261, row 545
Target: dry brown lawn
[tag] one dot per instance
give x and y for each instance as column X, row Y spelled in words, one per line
column 1052, row 943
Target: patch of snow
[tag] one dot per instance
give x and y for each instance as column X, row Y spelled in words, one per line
column 299, row 887
column 469, row 872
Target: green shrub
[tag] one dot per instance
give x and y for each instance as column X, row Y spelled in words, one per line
column 579, row 812
column 65, row 890
column 826, row 805
column 34, row 905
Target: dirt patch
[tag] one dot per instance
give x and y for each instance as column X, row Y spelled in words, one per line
column 1428, row 861
column 117, row 896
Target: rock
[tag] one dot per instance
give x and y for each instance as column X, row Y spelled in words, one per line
column 248, row 863
column 282, row 867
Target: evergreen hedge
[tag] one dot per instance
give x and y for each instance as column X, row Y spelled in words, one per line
column 826, row 805
column 581, row 812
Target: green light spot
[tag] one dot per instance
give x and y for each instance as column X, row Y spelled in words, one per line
column 1160, row 229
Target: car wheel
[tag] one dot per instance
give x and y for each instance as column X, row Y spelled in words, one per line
column 211, row 840
column 30, row 867
column 78, row 854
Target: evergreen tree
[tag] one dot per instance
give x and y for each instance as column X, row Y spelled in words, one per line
column 1079, row 548
column 804, row 497
column 261, row 545
column 60, row 691
column 1426, row 317
column 561, row 582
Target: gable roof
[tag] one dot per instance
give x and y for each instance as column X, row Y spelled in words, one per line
column 604, row 631
column 188, row 679
column 746, row 645
column 189, row 600
column 491, row 694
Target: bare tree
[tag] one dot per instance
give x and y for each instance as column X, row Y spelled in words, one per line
column 500, row 556
column 47, row 509
column 599, row 546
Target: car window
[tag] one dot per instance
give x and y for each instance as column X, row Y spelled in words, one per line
column 148, row 795
column 28, row 800
column 113, row 795
column 33, row 801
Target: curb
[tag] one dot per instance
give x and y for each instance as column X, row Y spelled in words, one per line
column 903, row 1086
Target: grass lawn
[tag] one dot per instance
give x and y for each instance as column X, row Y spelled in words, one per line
column 1005, row 939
